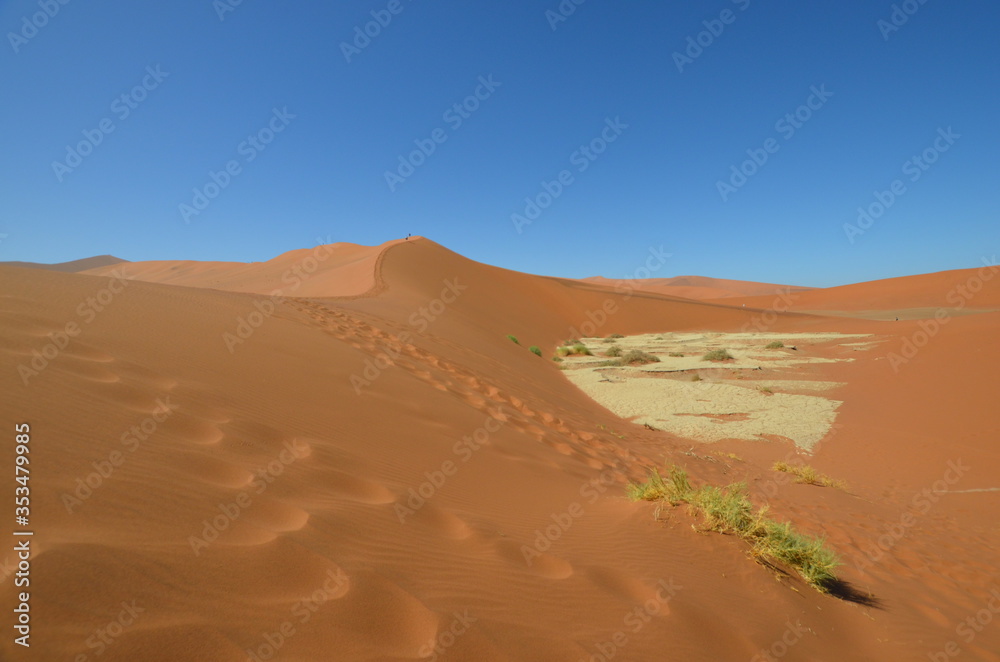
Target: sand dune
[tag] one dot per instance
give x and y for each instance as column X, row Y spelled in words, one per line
column 951, row 290
column 364, row 467
column 702, row 287
column 73, row 266
column 325, row 270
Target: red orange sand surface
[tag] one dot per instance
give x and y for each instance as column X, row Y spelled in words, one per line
column 360, row 465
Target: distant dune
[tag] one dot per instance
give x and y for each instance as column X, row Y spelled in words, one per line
column 74, row 266
column 328, row 270
column 961, row 288
column 701, row 287
column 340, row 455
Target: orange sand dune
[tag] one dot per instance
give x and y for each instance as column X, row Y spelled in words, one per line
column 225, row 476
column 74, row 266
column 962, row 288
column 327, row 270
column 701, row 287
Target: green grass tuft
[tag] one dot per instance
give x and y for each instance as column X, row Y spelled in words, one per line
column 806, row 474
column 513, row 339
column 676, row 355
column 580, row 348
column 635, row 356
column 535, row 350
column 729, row 510
column 717, row 355
column 614, row 350
column 777, row 344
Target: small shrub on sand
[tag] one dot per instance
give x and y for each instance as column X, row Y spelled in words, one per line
column 636, row 356
column 513, row 339
column 777, row 344
column 563, row 351
column 767, row 390
column 615, row 336
column 806, row 474
column 571, row 342
column 580, row 348
column 729, row 510
column 535, row 350
column 557, row 359
column 614, row 350
column 717, row 355
column 676, row 355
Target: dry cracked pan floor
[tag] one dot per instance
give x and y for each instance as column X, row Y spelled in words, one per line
column 701, row 400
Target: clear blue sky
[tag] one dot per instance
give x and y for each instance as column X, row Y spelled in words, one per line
column 323, row 175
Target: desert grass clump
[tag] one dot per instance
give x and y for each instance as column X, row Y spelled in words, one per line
column 563, row 351
column 614, row 350
column 777, row 344
column 535, row 350
column 557, row 359
column 615, row 336
column 513, row 339
column 766, row 390
column 717, row 355
column 696, row 378
column 676, row 355
column 580, row 348
column 636, row 356
column 729, row 510
column 572, row 341
column 808, row 475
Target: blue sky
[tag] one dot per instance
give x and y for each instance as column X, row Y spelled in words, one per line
column 337, row 119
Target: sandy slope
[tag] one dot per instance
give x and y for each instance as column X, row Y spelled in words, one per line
column 957, row 289
column 702, row 287
column 325, row 270
column 300, row 426
column 73, row 266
